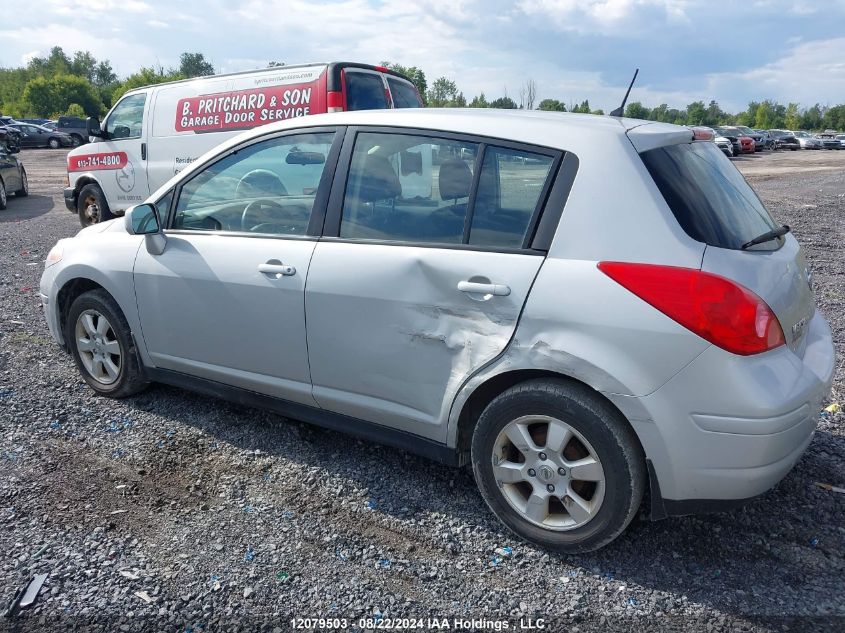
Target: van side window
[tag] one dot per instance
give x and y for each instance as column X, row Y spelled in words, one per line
column 509, row 190
column 127, row 118
column 408, row 189
column 365, row 91
column 267, row 187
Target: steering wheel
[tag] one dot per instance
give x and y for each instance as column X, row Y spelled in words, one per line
column 257, row 206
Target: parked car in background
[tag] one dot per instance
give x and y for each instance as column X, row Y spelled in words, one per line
column 12, row 173
column 784, row 139
column 38, row 136
column 841, row 139
column 695, row 370
column 829, row 140
column 74, row 127
column 11, row 134
column 722, row 142
column 34, row 121
column 733, row 135
column 50, row 125
column 759, row 143
column 768, row 141
column 807, row 140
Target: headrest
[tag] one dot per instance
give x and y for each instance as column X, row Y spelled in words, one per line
column 455, row 179
column 378, row 180
column 260, row 182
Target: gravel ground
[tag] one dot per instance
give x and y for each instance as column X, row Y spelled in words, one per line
column 171, row 511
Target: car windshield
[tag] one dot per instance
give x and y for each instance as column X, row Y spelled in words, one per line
column 708, row 196
column 802, row 135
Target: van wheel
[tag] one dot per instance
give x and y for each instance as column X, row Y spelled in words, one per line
column 23, row 192
column 558, row 465
column 54, row 143
column 3, row 198
column 92, row 206
column 101, row 343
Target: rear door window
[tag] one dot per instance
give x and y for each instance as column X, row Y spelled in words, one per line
column 365, row 91
column 510, row 189
column 708, row 196
column 404, row 95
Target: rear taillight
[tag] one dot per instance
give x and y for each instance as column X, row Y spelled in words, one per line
column 334, row 101
column 716, row 309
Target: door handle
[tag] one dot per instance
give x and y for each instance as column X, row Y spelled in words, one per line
column 276, row 268
column 143, row 151
column 473, row 287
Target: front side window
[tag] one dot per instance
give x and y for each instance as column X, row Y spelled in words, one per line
column 365, row 91
column 127, row 119
column 268, row 187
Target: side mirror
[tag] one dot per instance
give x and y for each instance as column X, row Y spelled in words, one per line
column 92, row 123
column 143, row 219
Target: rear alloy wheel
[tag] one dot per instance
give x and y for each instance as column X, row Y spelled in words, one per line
column 558, row 465
column 559, row 485
column 23, row 192
column 3, row 199
column 101, row 343
column 54, row 143
column 76, row 139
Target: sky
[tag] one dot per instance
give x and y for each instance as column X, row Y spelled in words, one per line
column 733, row 51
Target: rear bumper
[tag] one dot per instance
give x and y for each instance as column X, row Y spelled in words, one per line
column 70, row 199
column 727, row 427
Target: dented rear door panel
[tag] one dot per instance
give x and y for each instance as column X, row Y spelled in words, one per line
column 391, row 338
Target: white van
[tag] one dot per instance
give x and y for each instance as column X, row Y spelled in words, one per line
column 153, row 132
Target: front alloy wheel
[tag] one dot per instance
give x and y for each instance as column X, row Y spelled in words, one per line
column 99, row 349
column 548, row 472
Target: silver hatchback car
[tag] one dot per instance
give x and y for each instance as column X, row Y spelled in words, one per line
column 583, row 308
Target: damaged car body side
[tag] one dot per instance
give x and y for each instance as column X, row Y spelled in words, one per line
column 581, row 307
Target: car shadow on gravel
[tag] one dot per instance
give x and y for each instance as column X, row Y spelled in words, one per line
column 32, row 206
column 781, row 550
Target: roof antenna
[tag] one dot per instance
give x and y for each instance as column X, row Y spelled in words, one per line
column 621, row 109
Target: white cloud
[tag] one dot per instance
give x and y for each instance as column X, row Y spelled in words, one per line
column 604, row 16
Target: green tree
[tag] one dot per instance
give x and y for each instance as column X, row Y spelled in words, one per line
column 660, row 113
column 442, row 93
column 504, row 103
column 811, row 118
column 552, row 105
column 194, row 65
column 479, row 102
column 793, row 117
column 145, row 77
column 44, row 97
column 74, row 109
column 696, row 113
column 714, row 114
column 765, row 115
column 56, row 63
column 416, row 75
column 636, row 110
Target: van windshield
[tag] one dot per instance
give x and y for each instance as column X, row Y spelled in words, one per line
column 708, row 196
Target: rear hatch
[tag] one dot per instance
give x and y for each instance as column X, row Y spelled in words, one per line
column 715, row 205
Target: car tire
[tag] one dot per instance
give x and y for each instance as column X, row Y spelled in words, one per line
column 100, row 340
column 54, row 143
column 23, row 192
column 91, row 206
column 533, row 490
column 3, row 196
column 77, row 140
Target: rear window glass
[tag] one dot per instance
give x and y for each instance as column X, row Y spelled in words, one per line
column 404, row 94
column 365, row 91
column 709, row 197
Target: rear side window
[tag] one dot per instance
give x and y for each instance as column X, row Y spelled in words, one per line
column 509, row 190
column 365, row 91
column 404, row 94
column 708, row 196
